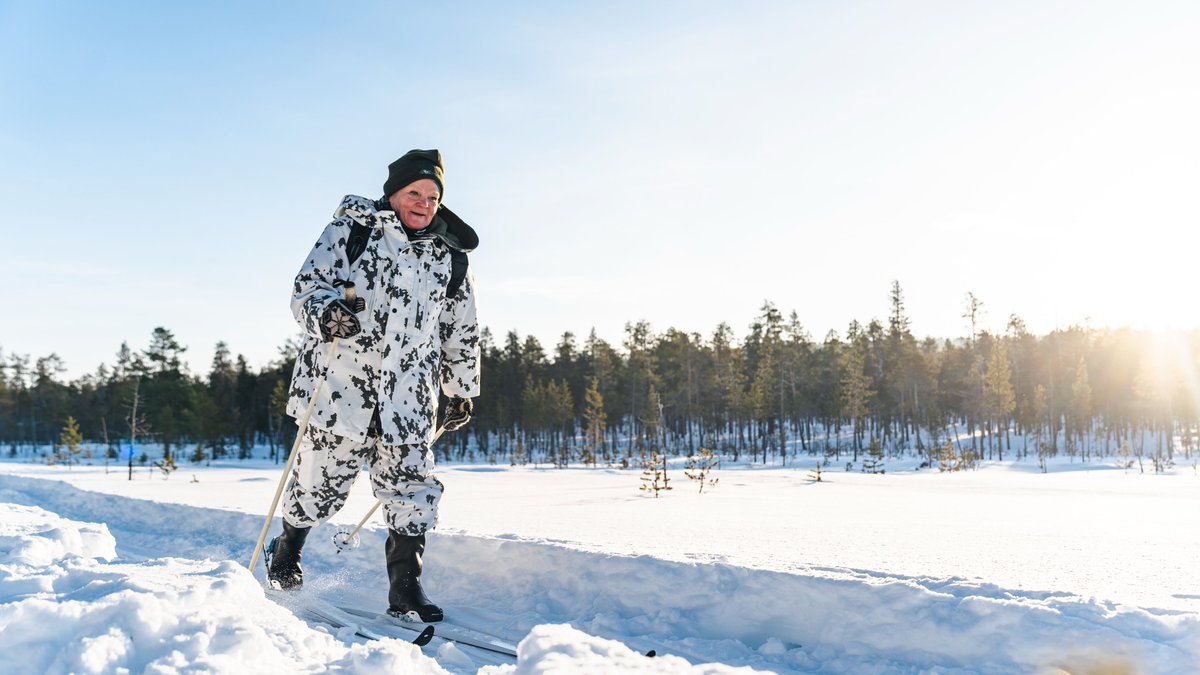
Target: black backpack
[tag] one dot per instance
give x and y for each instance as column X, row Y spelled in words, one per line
column 360, row 235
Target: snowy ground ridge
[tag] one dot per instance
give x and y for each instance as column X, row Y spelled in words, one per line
column 826, row 619
column 813, row 620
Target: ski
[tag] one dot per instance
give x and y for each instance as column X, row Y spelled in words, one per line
column 329, row 614
column 424, row 638
column 445, row 631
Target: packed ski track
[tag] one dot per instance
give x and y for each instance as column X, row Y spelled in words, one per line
column 101, row 574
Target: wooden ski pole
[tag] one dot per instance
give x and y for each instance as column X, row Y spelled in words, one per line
column 350, row 295
column 378, row 502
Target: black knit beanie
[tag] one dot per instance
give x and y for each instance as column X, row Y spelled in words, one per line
column 413, row 166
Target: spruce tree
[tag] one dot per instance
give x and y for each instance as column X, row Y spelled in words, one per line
column 873, row 463
column 593, row 424
column 71, row 440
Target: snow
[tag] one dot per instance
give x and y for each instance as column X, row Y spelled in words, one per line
column 69, row 607
column 1087, row 568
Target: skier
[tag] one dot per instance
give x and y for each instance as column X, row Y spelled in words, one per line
column 411, row 332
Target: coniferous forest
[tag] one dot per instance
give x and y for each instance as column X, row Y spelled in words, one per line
column 871, row 392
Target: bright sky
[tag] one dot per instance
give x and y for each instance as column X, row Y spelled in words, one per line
column 170, row 164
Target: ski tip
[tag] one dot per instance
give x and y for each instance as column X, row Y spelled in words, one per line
column 425, row 637
column 651, row 653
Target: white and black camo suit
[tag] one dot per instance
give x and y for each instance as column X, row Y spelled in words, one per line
column 379, row 399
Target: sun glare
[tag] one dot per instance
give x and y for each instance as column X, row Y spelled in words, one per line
column 1167, row 373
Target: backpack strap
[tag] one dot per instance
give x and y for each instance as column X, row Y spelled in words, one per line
column 360, row 236
column 458, row 272
column 356, row 242
column 465, row 240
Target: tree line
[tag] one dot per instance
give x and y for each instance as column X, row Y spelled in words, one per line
column 148, row 396
column 767, row 396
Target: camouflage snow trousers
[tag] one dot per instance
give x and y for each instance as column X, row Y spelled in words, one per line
column 327, row 466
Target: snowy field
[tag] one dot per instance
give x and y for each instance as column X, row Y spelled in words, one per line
column 1086, row 569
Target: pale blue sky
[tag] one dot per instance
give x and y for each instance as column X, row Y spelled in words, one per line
column 170, row 164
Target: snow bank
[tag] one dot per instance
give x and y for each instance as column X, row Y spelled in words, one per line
column 65, row 609
column 562, row 649
column 69, row 605
column 33, row 537
column 840, row 621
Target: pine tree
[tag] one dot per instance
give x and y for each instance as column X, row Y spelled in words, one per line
column 965, row 460
column 51, row 394
column 165, row 354
column 998, row 391
column 654, row 476
column 763, row 396
column 730, row 396
column 639, row 381
column 855, row 385
column 276, row 412
column 972, row 312
column 71, row 440
column 593, row 424
column 949, row 459
column 652, row 418
column 1081, row 401
column 167, row 390
column 167, row 466
column 873, row 463
column 217, row 418
column 1151, row 398
column 944, row 457
column 699, row 466
column 562, row 409
column 1040, row 412
column 974, row 403
column 816, row 473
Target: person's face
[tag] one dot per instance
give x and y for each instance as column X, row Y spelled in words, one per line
column 416, row 203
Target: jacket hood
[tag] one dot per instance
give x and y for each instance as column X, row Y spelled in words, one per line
column 446, row 224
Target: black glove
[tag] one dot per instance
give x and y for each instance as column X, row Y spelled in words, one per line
column 338, row 320
column 458, row 413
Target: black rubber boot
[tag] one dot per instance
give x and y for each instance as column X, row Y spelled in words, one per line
column 405, row 595
column 283, row 558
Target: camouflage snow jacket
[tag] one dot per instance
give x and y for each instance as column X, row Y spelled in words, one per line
column 413, row 340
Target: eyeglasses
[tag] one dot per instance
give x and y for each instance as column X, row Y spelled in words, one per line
column 415, row 196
